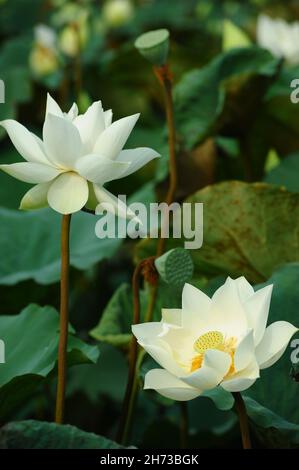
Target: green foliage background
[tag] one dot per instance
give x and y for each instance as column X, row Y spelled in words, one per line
column 238, row 153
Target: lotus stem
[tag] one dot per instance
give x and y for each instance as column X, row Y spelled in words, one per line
column 78, row 65
column 164, row 76
column 131, row 401
column 165, row 79
column 130, row 395
column 243, row 420
column 184, row 424
column 64, row 318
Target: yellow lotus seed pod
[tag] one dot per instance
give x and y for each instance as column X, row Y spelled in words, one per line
column 154, row 46
column 209, row 340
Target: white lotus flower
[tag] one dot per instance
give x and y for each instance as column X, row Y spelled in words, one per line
column 45, row 36
column 279, row 37
column 43, row 57
column 209, row 342
column 77, row 156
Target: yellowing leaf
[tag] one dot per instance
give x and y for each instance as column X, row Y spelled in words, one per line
column 233, row 36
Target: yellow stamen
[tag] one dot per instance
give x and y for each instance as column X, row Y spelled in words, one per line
column 213, row 340
column 196, row 363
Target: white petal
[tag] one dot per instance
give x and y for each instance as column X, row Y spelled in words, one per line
column 238, row 385
column 257, row 310
column 244, row 287
column 52, row 107
column 227, row 310
column 68, row 193
column 42, row 149
column 169, row 386
column 111, row 203
column 26, row 143
column 147, row 335
column 172, row 316
column 98, row 169
column 267, row 35
column 176, row 340
column 36, row 197
column 245, row 352
column 194, row 299
column 136, row 158
column 146, row 332
column 196, row 309
column 31, row 172
column 90, row 125
column 73, row 112
column 274, row 343
column 243, row 379
column 112, row 140
column 45, row 36
column 108, row 117
column 215, row 366
column 160, row 352
column 62, row 141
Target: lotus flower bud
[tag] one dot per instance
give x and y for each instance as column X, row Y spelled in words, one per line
column 118, row 12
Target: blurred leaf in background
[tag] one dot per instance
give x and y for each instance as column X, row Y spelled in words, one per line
column 235, row 121
column 31, row 341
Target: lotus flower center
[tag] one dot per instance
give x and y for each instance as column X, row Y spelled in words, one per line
column 213, row 340
column 210, row 340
